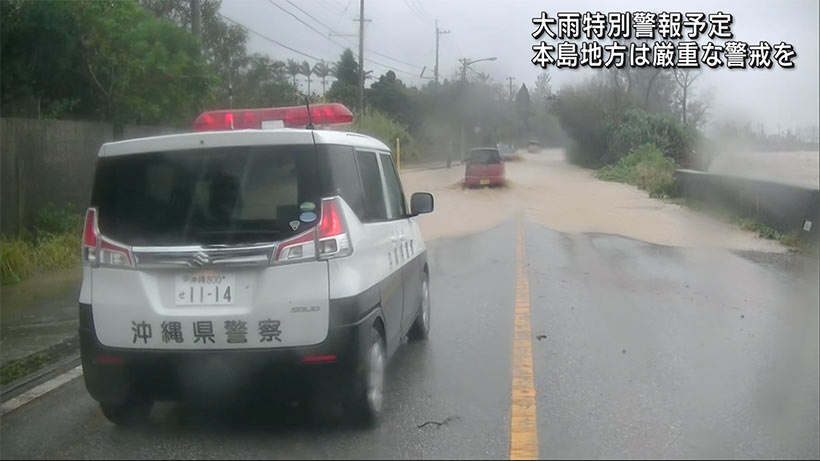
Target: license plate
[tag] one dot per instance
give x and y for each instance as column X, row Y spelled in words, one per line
column 204, row 289
column 484, row 182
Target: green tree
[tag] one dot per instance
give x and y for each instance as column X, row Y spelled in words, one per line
column 523, row 107
column 94, row 59
column 40, row 64
column 264, row 82
column 145, row 70
column 322, row 70
column 344, row 89
column 390, row 96
column 223, row 45
column 307, row 71
column 294, row 68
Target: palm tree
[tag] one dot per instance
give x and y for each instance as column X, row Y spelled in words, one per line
column 483, row 77
column 293, row 69
column 304, row 69
column 322, row 70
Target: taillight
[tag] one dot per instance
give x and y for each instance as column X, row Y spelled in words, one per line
column 329, row 239
column 99, row 250
column 334, row 242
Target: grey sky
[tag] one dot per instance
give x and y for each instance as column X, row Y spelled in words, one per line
column 404, row 30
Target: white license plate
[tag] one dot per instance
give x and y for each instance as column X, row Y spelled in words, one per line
column 204, row 289
column 484, row 182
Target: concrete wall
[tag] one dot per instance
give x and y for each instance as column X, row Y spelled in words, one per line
column 45, row 161
column 780, row 206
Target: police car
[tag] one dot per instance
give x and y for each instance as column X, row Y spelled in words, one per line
column 253, row 255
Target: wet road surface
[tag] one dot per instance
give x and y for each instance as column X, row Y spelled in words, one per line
column 638, row 351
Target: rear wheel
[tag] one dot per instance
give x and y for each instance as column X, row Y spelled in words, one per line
column 420, row 329
column 128, row 413
column 366, row 404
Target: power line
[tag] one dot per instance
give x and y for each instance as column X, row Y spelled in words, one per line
column 327, row 37
column 269, row 39
column 335, row 9
column 302, row 53
column 415, row 66
column 309, row 15
column 416, row 13
column 306, row 24
column 423, row 10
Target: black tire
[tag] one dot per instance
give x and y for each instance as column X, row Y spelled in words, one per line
column 127, row 414
column 366, row 403
column 420, row 329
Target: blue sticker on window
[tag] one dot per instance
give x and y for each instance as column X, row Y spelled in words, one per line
column 308, row 216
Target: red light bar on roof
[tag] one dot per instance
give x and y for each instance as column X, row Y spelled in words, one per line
column 291, row 117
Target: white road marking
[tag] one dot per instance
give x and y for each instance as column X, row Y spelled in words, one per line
column 40, row 390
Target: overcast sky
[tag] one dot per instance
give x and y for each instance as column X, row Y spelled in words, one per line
column 401, row 35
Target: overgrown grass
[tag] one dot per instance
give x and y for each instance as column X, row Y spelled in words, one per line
column 645, row 167
column 54, row 244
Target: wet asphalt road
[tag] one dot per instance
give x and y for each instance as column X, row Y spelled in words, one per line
column 639, row 351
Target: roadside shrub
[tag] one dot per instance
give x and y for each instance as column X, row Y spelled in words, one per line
column 636, row 127
column 58, row 219
column 16, row 260
column 645, row 167
column 54, row 244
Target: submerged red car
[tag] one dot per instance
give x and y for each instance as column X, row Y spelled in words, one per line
column 484, row 168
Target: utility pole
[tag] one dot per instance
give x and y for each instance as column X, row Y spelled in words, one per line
column 439, row 32
column 511, row 88
column 464, row 63
column 361, row 56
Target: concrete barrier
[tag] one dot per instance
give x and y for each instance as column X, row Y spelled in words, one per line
column 783, row 207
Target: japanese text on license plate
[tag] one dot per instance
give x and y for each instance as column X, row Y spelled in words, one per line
column 204, row 289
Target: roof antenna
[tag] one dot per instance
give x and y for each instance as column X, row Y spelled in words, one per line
column 310, row 118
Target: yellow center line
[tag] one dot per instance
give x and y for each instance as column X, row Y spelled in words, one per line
column 523, row 426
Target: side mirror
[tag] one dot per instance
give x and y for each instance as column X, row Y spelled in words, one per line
column 421, row 202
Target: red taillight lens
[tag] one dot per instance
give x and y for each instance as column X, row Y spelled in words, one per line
column 291, row 117
column 331, row 224
column 90, row 228
column 332, row 232
column 98, row 250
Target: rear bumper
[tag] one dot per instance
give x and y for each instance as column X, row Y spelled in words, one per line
column 114, row 375
column 475, row 181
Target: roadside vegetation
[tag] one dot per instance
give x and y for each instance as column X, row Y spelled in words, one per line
column 54, row 244
column 645, row 167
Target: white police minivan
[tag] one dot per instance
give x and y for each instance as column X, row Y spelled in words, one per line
column 249, row 259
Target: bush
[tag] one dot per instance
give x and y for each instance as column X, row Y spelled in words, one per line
column 22, row 258
column 636, row 127
column 55, row 244
column 605, row 124
column 16, row 259
column 58, row 219
column 645, row 167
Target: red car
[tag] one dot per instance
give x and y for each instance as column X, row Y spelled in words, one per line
column 484, row 168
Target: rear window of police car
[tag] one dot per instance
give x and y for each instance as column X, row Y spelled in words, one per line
column 229, row 195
